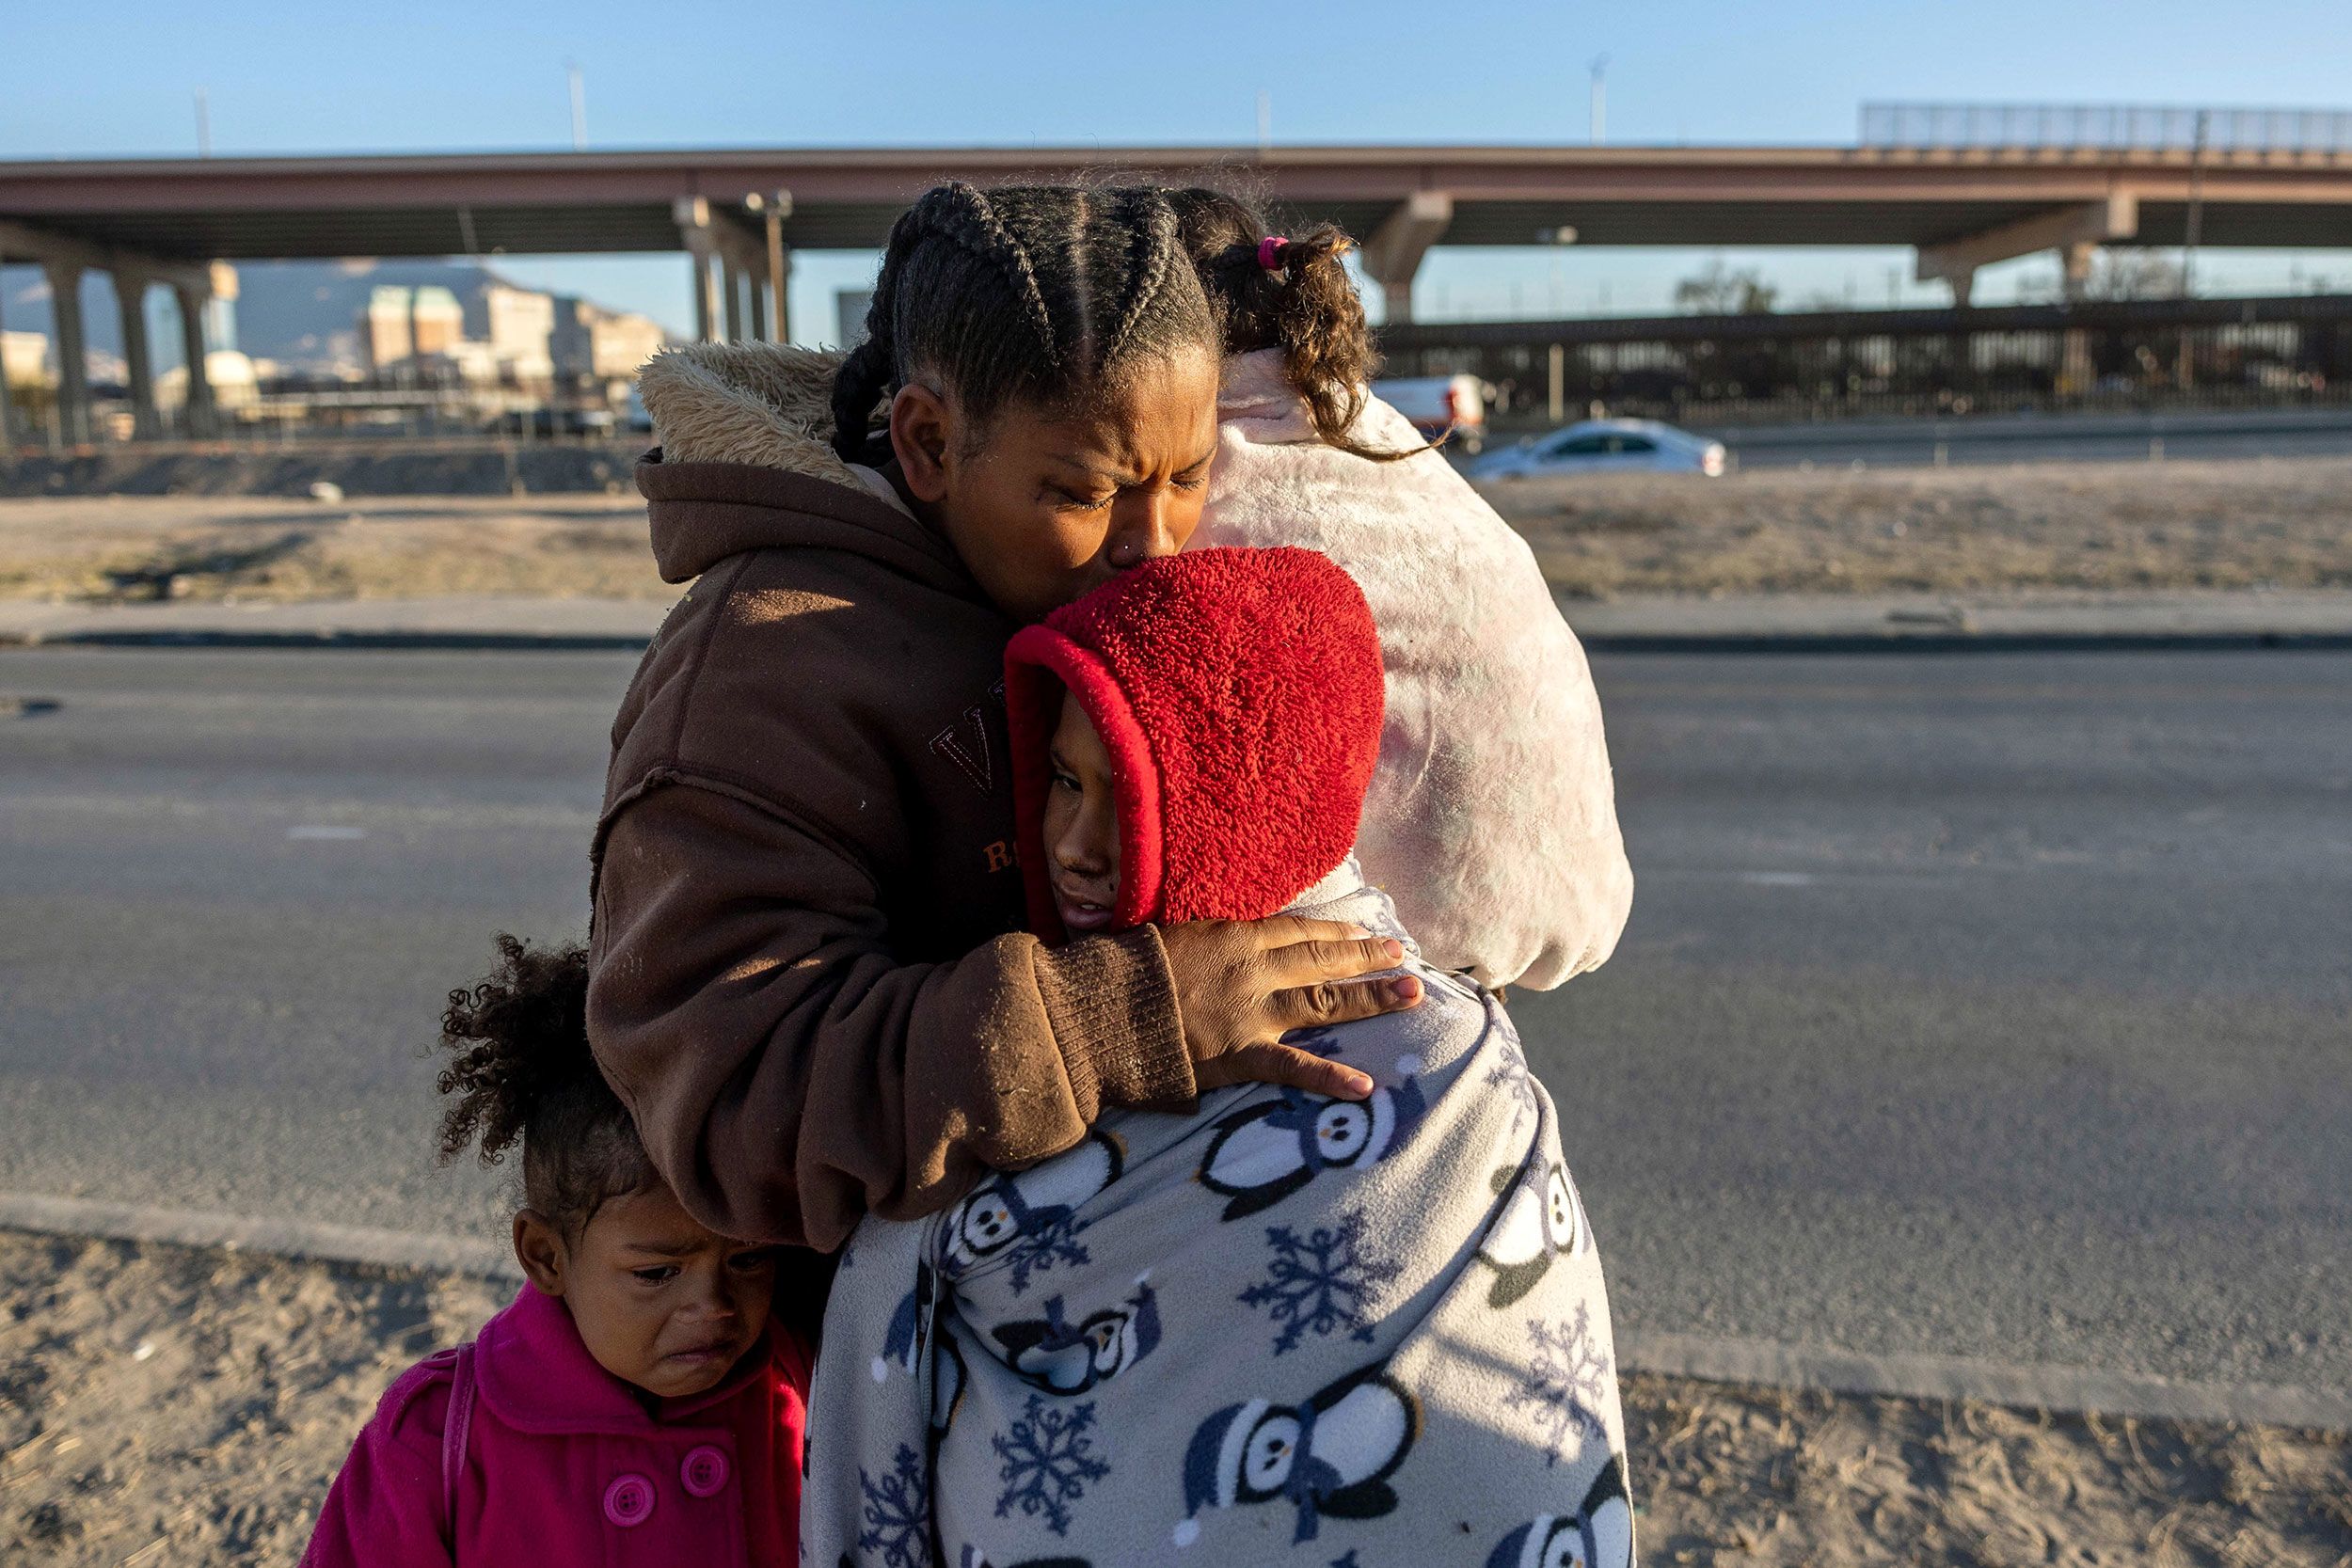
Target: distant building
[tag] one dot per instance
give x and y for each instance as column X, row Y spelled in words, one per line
column 521, row 339
column 220, row 311
column 437, row 321
column 592, row 343
column 521, row 332
column 24, row 359
column 236, row 381
column 384, row 334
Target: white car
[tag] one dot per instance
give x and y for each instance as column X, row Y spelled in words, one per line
column 1605, row 445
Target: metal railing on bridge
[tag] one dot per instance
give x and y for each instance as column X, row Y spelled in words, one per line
column 2105, row 127
column 2258, row 352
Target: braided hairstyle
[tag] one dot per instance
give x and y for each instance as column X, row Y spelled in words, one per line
column 1035, row 293
column 523, row 1074
column 1307, row 307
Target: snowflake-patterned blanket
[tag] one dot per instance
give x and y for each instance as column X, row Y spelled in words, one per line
column 1282, row 1329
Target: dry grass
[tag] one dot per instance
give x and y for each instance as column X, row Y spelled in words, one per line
column 2121, row 526
column 2124, row 525
column 255, row 547
column 164, row 1405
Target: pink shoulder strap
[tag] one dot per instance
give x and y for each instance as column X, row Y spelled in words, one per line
column 456, row 1430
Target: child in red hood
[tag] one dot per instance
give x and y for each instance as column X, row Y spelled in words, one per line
column 636, row 1405
column 1284, row 1328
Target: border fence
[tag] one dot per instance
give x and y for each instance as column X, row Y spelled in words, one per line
column 2280, row 351
column 2105, row 127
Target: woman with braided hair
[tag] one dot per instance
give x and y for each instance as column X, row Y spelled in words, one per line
column 809, row 981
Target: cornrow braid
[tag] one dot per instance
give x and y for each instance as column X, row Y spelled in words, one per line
column 995, row 243
column 999, row 296
column 1158, row 251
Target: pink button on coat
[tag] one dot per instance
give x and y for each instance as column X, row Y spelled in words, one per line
column 565, row 1464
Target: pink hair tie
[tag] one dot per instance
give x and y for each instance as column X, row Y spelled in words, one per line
column 1270, row 252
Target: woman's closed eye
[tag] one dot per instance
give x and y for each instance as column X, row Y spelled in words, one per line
column 752, row 1260
column 1077, row 501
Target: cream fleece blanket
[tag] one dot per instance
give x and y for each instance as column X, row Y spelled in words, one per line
column 1282, row 1329
column 1492, row 820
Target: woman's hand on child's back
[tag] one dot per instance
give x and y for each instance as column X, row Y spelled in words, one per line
column 1242, row 984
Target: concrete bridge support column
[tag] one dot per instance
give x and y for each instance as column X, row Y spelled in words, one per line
column 734, row 277
column 2076, row 370
column 779, row 289
column 708, row 322
column 130, row 298
column 769, row 266
column 693, row 215
column 198, row 417
column 1392, row 254
column 65, row 311
column 10, row 436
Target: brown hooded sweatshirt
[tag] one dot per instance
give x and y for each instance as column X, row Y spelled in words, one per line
column 806, row 980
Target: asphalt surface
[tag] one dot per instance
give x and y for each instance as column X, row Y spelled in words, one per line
column 1989, row 1005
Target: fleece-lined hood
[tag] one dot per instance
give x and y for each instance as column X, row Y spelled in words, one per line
column 746, row 461
column 1237, row 692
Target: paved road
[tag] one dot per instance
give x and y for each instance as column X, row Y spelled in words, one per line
column 1990, row 1004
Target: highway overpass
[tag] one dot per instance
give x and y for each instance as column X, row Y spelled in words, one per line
column 740, row 213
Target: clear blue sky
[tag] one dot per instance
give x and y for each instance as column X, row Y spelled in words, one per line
column 78, row 80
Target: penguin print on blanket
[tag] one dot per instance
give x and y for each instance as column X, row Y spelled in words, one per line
column 1599, row 1534
column 1262, row 1153
column 1540, row 1223
column 948, row 1380
column 1027, row 1221
column 972, row 1556
column 1064, row 1358
column 1331, row 1456
column 903, row 1349
column 905, row 1334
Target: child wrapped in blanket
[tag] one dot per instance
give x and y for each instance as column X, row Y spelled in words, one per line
column 1281, row 1328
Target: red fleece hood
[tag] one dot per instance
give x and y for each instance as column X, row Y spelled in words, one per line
column 1238, row 692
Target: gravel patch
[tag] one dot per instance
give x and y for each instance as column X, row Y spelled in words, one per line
column 162, row 1404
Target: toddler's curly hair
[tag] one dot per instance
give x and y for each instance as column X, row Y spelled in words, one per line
column 523, row 1074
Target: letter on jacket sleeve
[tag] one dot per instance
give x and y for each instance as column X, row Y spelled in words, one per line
column 386, row 1509
column 789, row 1073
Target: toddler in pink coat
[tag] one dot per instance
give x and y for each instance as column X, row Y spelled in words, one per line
column 636, row 1405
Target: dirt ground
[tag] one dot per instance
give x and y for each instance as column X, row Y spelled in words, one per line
column 2117, row 526
column 2126, row 526
column 124, row 547
column 161, row 1405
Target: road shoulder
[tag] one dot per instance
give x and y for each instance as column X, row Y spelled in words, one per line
column 1653, row 622
column 270, row 1365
